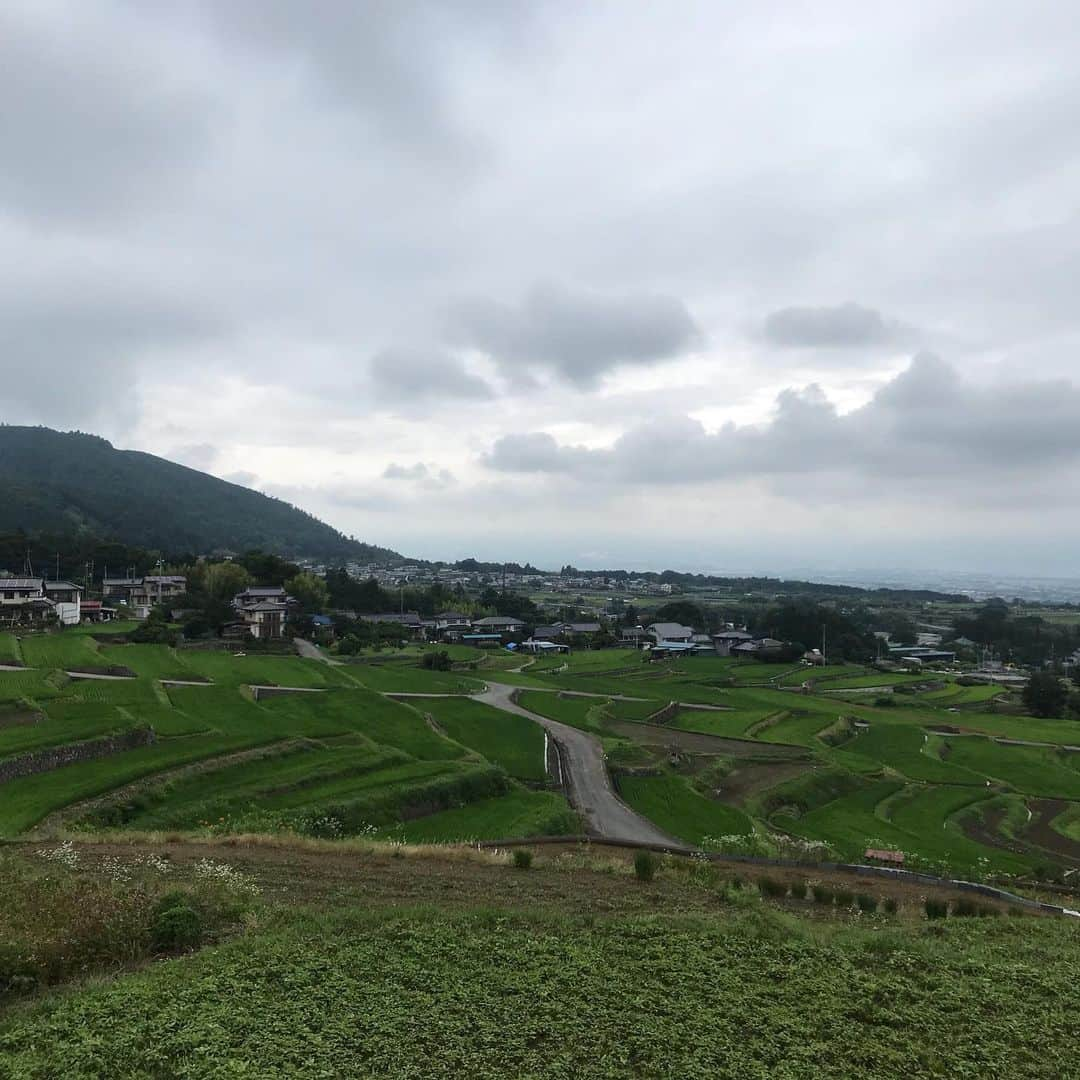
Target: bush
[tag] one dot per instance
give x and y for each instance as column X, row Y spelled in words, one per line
column 736, row 883
column 522, row 859
column 936, row 909
column 822, row 895
column 436, row 661
column 965, row 909
column 176, row 925
column 772, row 888
column 844, row 898
column 867, row 903
column 891, row 906
column 885, row 701
column 798, row 890
column 645, row 865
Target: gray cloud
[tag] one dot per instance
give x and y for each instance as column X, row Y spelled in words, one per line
column 431, row 478
column 80, row 356
column 90, row 126
column 200, row 456
column 843, row 327
column 577, row 335
column 536, row 452
column 925, row 426
column 207, row 208
column 416, row 377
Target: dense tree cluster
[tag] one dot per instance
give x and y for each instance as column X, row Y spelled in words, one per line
column 1024, row 639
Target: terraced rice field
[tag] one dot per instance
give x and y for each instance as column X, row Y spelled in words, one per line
column 351, row 753
column 512, row 742
column 678, row 809
column 224, row 760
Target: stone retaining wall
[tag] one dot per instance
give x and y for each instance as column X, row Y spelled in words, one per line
column 56, row 757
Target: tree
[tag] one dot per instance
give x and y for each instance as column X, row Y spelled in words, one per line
column 309, row 591
column 681, row 611
column 1044, row 694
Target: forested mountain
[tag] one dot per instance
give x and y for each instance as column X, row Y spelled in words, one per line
column 65, row 482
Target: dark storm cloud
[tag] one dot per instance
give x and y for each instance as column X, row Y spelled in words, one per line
column 843, row 327
column 89, row 128
column 926, row 424
column 402, row 377
column 577, row 335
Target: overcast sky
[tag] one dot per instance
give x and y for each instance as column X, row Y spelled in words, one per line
column 704, row 285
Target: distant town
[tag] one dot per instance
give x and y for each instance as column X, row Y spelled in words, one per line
column 535, row 612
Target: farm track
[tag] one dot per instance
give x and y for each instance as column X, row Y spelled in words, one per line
column 587, row 781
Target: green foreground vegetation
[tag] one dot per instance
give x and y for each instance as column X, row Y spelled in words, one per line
column 298, row 962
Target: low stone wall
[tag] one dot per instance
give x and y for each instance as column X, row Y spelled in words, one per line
column 664, row 715
column 56, row 757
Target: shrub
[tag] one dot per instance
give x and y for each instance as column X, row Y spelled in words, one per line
column 798, row 890
column 772, row 888
column 965, row 909
column 736, row 883
column 176, row 925
column 436, row 661
column 936, row 909
column 822, row 895
column 844, row 898
column 891, row 906
column 522, row 858
column 645, row 865
column 867, row 903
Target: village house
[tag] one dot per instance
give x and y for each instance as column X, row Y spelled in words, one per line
column 726, row 640
column 670, row 633
column 498, row 624
column 263, row 611
column 28, row 598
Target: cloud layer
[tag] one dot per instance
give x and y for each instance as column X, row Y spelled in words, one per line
column 562, row 282
column 926, row 424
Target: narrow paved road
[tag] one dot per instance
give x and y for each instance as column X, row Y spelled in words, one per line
column 590, row 790
column 310, row 651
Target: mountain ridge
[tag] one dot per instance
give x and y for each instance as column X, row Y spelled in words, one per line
column 54, row 481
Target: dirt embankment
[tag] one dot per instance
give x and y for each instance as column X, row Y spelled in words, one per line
column 747, row 781
column 699, row 743
column 577, row 879
column 1042, row 834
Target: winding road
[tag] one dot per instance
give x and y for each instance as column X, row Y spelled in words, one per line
column 587, row 782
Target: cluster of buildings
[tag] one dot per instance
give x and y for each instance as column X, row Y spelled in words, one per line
column 393, row 577
column 34, row 599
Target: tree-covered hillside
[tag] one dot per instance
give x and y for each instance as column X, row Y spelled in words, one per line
column 61, row 482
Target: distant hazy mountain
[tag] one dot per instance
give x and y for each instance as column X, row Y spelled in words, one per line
column 63, row 481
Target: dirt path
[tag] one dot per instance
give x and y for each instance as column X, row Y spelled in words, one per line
column 586, row 778
column 701, row 743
